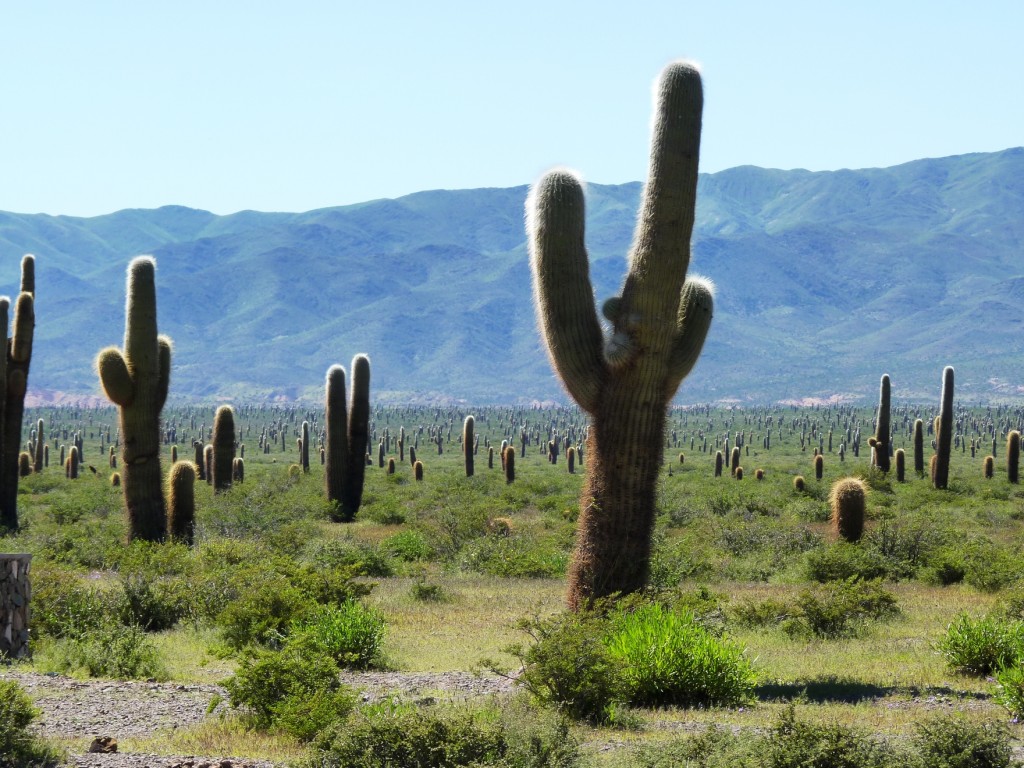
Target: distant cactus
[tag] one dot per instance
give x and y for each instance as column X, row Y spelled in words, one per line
column 112, row 458
column 944, row 439
column 988, row 467
column 658, row 325
column 819, row 466
column 238, row 470
column 734, row 459
column 739, row 473
column 919, row 447
column 15, row 358
column 570, row 459
column 880, row 442
column 71, row 468
column 510, row 464
column 490, row 457
column 136, row 379
column 901, row 465
column 719, row 460
column 847, row 499
column 304, row 447
column 208, row 462
column 181, row 502
column 24, row 464
column 223, row 448
column 759, row 474
column 1012, row 456
column 115, row 480
column 348, row 434
column 37, row 463
column 200, row 461
column 417, row 470
column 467, row 444
column 391, row 465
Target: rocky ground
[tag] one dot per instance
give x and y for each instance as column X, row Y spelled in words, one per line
column 88, row 709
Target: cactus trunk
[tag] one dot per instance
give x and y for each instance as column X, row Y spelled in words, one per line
column 944, row 436
column 15, row 358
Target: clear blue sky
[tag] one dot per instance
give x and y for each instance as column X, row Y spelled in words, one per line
column 304, row 104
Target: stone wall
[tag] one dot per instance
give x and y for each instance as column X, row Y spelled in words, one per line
column 14, row 598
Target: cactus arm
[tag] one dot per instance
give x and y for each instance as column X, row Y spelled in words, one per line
column 561, row 279
column 28, row 274
column 336, row 449
column 696, row 308
column 23, row 328
column 661, row 251
column 164, row 348
column 113, row 372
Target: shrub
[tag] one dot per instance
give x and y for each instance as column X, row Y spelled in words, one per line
column 390, row 734
column 981, row 646
column 350, row 633
column 63, row 605
column 261, row 614
column 954, row 742
column 295, row 689
column 19, row 747
column 517, row 556
column 154, row 605
column 766, row 613
column 842, row 560
column 669, row 658
column 408, row 545
column 794, row 743
column 111, row 650
column 840, row 608
column 359, row 558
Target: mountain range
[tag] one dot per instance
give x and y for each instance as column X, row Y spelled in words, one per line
column 825, row 280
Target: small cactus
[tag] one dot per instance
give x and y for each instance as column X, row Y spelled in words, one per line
column 919, row 447
column 1012, row 456
column 901, row 465
column 391, row 465
column 467, row 444
column 819, row 466
column 847, row 500
column 115, row 480
column 223, row 448
column 238, row 470
column 988, row 467
column 719, row 460
column 759, row 474
column 510, row 464
column 799, row 484
column 181, row 502
column 24, row 464
column 739, row 473
column 417, row 470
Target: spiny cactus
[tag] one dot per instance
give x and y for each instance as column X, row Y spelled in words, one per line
column 37, row 460
column 988, row 467
column 944, row 438
column 223, row 447
column 819, row 466
column 467, row 443
column 658, row 326
column 901, row 465
column 570, row 459
column 238, row 470
column 208, row 462
column 919, row 447
column 417, row 470
column 136, row 380
column 181, row 501
column 1013, row 456
column 738, row 474
column 71, row 465
column 847, row 499
column 304, row 447
column 24, row 464
column 348, row 429
column 15, row 358
column 719, row 460
column 880, row 442
column 509, row 456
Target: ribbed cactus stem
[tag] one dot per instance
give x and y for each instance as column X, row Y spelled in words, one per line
column 919, row 446
column 136, row 380
column 944, row 438
column 658, row 326
column 467, row 444
column 181, row 501
column 881, row 440
column 37, row 459
column 847, row 499
column 15, row 359
column 1013, row 456
column 223, row 447
column 347, row 437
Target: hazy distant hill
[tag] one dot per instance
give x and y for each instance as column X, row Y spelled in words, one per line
column 826, row 280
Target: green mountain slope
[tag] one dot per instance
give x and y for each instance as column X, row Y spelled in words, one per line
column 826, row 280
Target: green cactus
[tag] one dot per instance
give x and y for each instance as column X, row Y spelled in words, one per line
column 988, row 467
column 181, row 502
column 223, row 447
column 15, row 358
column 919, row 447
column 467, row 443
column 1013, row 456
column 847, row 499
column 509, row 463
column 303, row 445
column 71, row 467
column 719, row 460
column 880, row 442
column 658, row 326
column 348, row 429
column 238, row 470
column 417, row 470
column 37, row 458
column 136, row 380
column 944, row 435
column 901, row 465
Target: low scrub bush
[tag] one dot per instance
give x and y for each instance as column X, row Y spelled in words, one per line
column 516, row 556
column 19, row 747
column 389, row 734
column 794, row 743
column 952, row 741
column 843, row 560
column 65, row 604
column 408, row 545
column 840, row 609
column 110, row 650
column 358, row 558
column 982, row 646
column 350, row 633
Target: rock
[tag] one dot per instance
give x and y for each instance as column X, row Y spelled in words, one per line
column 103, row 745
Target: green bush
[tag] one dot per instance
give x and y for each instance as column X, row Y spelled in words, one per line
column 154, row 605
column 110, row 650
column 389, row 734
column 843, row 560
column 669, row 658
column 981, row 646
column 765, row 613
column 65, row 605
column 712, row 748
column 350, row 633
column 840, row 609
column 408, row 545
column 955, row 742
column 295, row 689
column 261, row 615
column 793, row 743
column 516, row 556
column 19, row 747
column 358, row 558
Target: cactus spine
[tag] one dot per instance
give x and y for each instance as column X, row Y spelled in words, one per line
column 15, row 358
column 659, row 323
column 223, row 447
column 1013, row 456
column 348, row 429
column 848, row 504
column 467, row 443
column 136, row 380
column 944, row 438
column 880, row 442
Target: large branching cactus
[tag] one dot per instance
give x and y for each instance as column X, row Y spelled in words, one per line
column 348, row 431
column 136, row 380
column 658, row 327
column 15, row 358
column 880, row 442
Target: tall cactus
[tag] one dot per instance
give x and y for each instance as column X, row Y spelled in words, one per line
column 880, row 442
column 467, row 444
column 658, row 326
column 223, row 447
column 136, row 380
column 15, row 358
column 944, row 435
column 347, row 436
column 1013, row 456
column 919, row 446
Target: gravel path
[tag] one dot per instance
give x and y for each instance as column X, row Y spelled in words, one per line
column 86, row 709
